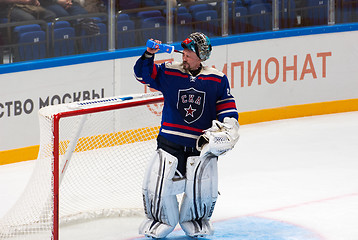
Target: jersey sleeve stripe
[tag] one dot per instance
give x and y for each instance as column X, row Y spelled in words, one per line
column 155, row 72
column 225, row 100
column 228, row 111
column 224, row 106
column 138, row 78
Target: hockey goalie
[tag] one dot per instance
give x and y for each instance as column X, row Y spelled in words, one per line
column 199, row 123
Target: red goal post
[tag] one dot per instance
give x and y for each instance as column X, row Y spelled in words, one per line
column 91, row 163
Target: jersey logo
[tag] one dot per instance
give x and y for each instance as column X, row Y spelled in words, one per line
column 191, row 104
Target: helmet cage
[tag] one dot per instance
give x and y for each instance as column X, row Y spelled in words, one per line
column 198, row 43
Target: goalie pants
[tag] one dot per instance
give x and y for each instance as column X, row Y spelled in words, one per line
column 180, row 152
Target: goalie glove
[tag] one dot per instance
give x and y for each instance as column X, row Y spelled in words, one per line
column 219, row 138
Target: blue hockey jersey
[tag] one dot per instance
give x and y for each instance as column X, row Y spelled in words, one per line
column 190, row 102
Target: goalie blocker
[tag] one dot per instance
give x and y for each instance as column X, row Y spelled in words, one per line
column 163, row 182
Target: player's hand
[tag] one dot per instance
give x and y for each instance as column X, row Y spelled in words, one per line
column 66, row 4
column 154, row 50
column 29, row 2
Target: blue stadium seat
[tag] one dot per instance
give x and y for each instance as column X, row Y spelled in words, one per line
column 231, row 4
column 253, row 2
column 239, row 3
column 153, row 27
column 3, row 20
column 317, row 12
column 27, row 28
column 198, row 8
column 123, row 16
column 260, row 17
column 148, row 14
column 153, row 3
column 183, row 9
column 180, row 9
column 288, row 14
column 63, row 42
column 125, row 33
column 236, row 16
column 183, row 25
column 346, row 11
column 238, row 23
column 102, row 39
column 97, row 42
column 31, row 40
column 61, row 24
column 207, row 22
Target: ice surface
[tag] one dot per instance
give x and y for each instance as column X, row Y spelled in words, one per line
column 299, row 172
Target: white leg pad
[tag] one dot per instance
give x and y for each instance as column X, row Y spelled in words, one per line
column 154, row 229
column 200, row 196
column 197, row 228
column 159, row 195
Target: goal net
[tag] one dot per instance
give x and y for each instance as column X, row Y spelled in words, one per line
column 90, row 165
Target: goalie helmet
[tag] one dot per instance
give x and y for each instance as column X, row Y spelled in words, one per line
column 199, row 43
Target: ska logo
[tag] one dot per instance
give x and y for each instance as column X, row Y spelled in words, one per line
column 191, row 104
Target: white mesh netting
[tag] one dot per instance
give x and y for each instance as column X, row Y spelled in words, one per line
column 107, row 154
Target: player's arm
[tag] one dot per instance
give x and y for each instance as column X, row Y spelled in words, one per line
column 224, row 132
column 145, row 70
column 225, row 105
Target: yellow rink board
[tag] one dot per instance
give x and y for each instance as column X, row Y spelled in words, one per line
column 89, row 143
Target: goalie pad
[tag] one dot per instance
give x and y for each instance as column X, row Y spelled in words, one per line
column 159, row 195
column 219, row 138
column 201, row 192
column 152, row 228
